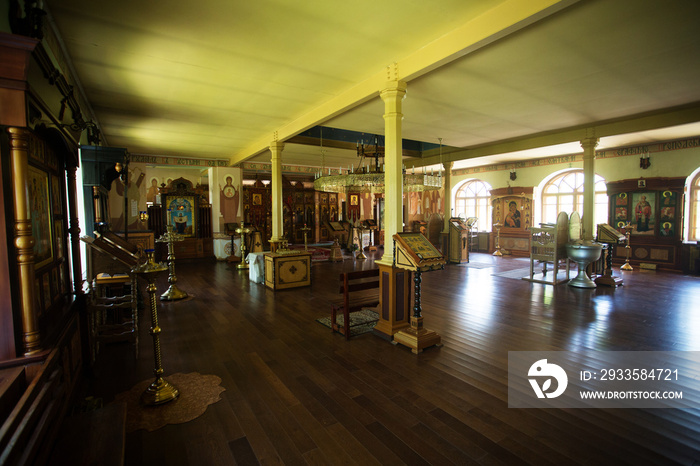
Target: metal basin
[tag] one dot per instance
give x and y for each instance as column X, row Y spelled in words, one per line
column 583, row 253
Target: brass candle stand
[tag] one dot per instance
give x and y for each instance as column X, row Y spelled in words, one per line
column 498, row 252
column 628, row 229
column 306, row 230
column 173, row 293
column 160, row 391
column 360, row 251
column 243, row 231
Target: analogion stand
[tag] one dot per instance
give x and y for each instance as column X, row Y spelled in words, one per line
column 413, row 251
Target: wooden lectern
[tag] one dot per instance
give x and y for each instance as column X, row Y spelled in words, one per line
column 459, row 241
column 608, row 235
column 413, row 252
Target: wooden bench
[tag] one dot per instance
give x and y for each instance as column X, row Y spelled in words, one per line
column 358, row 290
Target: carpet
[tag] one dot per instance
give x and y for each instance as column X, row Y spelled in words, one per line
column 361, row 321
column 197, row 391
column 517, row 273
column 318, row 253
column 189, row 297
column 475, row 265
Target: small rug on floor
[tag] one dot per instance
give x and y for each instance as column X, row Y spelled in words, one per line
column 197, row 391
column 361, row 321
column 189, row 297
column 476, row 265
column 318, row 253
column 517, row 273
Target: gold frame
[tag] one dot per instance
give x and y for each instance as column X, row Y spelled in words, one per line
column 169, row 200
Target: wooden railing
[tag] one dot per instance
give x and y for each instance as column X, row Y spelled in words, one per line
column 34, row 396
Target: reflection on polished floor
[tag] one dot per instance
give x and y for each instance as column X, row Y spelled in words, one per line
column 295, row 393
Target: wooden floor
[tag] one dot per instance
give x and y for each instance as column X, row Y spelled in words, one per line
column 298, row 394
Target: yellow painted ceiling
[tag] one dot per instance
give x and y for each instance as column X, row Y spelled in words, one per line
column 218, row 79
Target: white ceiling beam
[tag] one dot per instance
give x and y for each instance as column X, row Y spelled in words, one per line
column 644, row 122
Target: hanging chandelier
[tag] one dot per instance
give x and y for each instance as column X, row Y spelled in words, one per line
column 366, row 178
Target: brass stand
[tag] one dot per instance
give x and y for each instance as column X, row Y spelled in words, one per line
column 416, row 337
column 306, row 230
column 173, row 293
column 498, row 252
column 360, row 252
column 336, row 253
column 626, row 266
column 243, row 231
column 160, row 391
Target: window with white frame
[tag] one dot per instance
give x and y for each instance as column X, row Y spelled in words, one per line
column 564, row 193
column 694, row 209
column 473, row 199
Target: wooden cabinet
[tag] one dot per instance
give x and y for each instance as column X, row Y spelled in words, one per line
column 287, row 270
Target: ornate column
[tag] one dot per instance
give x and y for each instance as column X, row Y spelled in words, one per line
column 392, row 95
column 394, row 289
column 589, row 144
column 74, row 230
column 23, row 240
column 448, row 196
column 276, row 148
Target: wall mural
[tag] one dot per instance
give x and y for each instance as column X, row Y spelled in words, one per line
column 230, row 200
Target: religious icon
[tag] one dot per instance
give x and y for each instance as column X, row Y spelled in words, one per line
column 512, row 219
column 40, row 214
column 182, row 214
column 229, row 190
column 644, row 219
column 257, row 199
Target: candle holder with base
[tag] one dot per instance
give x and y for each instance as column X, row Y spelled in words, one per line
column 160, row 391
column 173, row 293
column 498, row 252
column 243, row 231
column 628, row 230
column 360, row 250
column 306, row 230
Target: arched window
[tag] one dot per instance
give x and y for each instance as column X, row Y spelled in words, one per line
column 564, row 193
column 472, row 199
column 694, row 209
